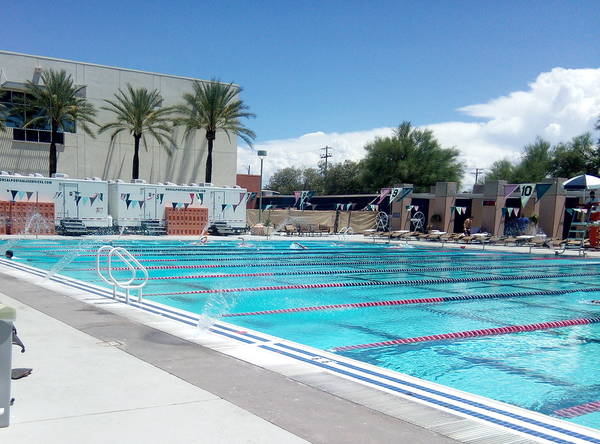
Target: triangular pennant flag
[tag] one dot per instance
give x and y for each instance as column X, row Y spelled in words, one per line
column 127, row 202
column 21, row 194
column 84, row 199
column 508, row 189
column 160, row 196
column 77, row 199
column 174, row 204
column 92, row 199
column 13, row 193
column 268, row 207
column 223, row 207
column 584, row 210
column 383, row 193
column 526, row 193
column 416, row 207
column 185, row 206
column 141, row 203
column 29, row 194
column 101, row 197
column 192, row 195
column 348, row 206
column 541, row 188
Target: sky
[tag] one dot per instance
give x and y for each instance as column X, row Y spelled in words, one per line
column 486, row 76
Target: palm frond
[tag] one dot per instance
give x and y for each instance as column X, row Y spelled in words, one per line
column 215, row 106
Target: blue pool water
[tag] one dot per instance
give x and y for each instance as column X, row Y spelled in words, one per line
column 546, row 371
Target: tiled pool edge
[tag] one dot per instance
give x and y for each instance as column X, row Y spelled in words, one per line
column 521, row 421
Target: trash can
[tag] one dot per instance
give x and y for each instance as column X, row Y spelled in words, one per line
column 7, row 317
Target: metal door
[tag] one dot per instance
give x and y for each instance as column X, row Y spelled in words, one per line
column 150, row 203
column 70, row 201
column 218, row 202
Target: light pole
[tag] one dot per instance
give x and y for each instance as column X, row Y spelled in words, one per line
column 261, row 155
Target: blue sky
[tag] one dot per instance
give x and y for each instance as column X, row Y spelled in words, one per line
column 325, row 66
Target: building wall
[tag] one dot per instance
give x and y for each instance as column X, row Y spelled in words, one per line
column 251, row 182
column 84, row 156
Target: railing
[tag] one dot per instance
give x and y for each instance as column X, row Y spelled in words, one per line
column 135, row 281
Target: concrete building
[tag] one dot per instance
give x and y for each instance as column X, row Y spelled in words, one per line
column 26, row 151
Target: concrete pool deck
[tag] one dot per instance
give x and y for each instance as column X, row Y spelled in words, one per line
column 102, row 378
column 151, row 385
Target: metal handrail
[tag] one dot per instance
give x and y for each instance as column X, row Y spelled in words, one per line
column 130, row 262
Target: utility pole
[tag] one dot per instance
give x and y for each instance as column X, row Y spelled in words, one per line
column 476, row 173
column 326, row 156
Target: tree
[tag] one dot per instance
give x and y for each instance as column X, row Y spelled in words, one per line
column 286, row 180
column 343, row 178
column 535, row 162
column 410, row 155
column 312, row 179
column 139, row 112
column 579, row 156
column 212, row 107
column 2, row 118
column 57, row 102
column 501, row 170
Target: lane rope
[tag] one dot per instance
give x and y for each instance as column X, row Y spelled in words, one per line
column 365, row 270
column 297, row 264
column 375, row 283
column 578, row 410
column 473, row 333
column 413, row 301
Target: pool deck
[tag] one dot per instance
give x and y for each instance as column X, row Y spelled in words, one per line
column 124, row 377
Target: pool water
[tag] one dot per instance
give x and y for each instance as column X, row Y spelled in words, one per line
column 549, row 371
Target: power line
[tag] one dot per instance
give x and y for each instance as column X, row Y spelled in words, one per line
column 326, row 155
column 476, row 173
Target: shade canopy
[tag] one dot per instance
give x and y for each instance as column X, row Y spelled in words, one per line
column 582, row 182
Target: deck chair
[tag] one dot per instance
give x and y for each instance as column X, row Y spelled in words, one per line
column 290, row 229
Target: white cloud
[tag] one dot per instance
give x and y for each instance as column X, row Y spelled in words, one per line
column 558, row 105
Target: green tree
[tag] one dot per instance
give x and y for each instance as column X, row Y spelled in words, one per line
column 214, row 107
column 312, row 179
column 58, row 103
column 410, row 155
column 2, row 118
column 578, row 156
column 501, row 170
column 343, row 178
column 138, row 111
column 535, row 162
column 286, row 180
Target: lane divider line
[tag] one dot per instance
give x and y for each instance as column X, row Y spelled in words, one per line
column 366, row 270
column 578, row 410
column 413, row 301
column 301, row 264
column 473, row 333
column 375, row 283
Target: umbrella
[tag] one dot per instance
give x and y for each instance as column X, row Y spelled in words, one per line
column 582, row 182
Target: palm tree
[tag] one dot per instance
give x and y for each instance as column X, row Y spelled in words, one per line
column 2, row 118
column 58, row 103
column 139, row 112
column 214, row 106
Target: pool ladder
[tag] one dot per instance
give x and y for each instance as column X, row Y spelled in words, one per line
column 134, row 282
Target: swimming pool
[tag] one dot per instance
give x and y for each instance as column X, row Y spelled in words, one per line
column 337, row 295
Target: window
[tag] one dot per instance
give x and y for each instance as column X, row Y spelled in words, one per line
column 17, row 117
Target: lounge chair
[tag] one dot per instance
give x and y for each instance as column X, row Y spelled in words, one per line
column 323, row 229
column 290, row 230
